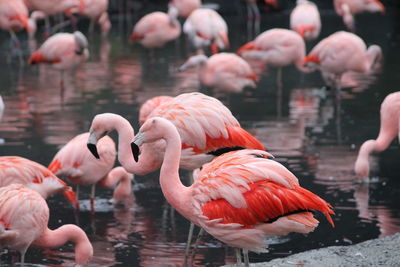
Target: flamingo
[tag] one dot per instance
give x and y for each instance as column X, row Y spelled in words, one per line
column 37, row 177
column 341, row 52
column 278, row 48
column 224, row 71
column 185, row 7
column 96, row 10
column 24, row 216
column 239, row 197
column 157, row 28
column 347, row 8
column 207, row 127
column 80, row 167
column 63, row 51
column 205, row 27
column 305, row 20
column 389, row 129
column 147, row 107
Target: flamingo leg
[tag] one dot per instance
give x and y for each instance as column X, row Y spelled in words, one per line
column 91, row 26
column 238, row 257
column 196, row 244
column 23, row 258
column 77, row 191
column 92, row 195
column 47, row 32
column 15, row 43
column 246, row 258
column 189, row 240
column 279, row 83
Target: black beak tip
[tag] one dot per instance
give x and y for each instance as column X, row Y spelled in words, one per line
column 93, row 149
column 135, row 151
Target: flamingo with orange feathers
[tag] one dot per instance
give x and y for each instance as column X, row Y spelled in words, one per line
column 206, row 28
column 305, row 20
column 24, row 216
column 239, row 197
column 80, row 167
column 223, row 71
column 18, row 170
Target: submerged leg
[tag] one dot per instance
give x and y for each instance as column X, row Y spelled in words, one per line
column 246, row 258
column 238, row 257
column 189, row 240
column 196, row 244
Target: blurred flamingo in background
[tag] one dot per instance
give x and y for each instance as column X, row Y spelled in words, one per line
column 24, row 216
column 348, row 8
column 305, row 20
column 96, row 10
column 278, row 48
column 157, row 28
column 205, row 27
column 80, row 167
column 185, row 7
column 223, row 71
column 64, row 51
column 1, row 107
column 389, row 129
column 18, row 170
column 239, row 197
column 32, row 22
column 147, row 107
column 341, row 52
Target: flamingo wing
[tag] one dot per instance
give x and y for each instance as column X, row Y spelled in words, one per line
column 205, row 124
column 245, row 187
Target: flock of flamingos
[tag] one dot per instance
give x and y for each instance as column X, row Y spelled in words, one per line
column 240, row 194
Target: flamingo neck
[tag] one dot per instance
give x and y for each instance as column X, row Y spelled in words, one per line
column 174, row 191
column 381, row 143
column 374, row 53
column 56, row 238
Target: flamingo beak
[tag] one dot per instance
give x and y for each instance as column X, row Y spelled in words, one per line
column 136, row 143
column 91, row 145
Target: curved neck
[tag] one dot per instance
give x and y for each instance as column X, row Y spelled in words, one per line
column 374, row 54
column 174, row 191
column 381, row 143
column 56, row 238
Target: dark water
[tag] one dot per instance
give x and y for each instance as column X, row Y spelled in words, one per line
column 315, row 135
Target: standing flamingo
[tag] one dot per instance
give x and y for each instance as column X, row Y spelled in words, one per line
column 278, row 48
column 63, row 51
column 305, row 20
column 147, row 107
column 223, row 71
column 185, row 7
column 24, row 216
column 208, row 129
column 205, row 27
column 20, row 170
column 348, row 8
column 240, row 197
column 157, row 28
column 389, row 129
column 81, row 168
column 341, row 52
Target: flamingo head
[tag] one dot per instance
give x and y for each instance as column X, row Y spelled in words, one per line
column 247, row 47
column 152, row 130
column 361, row 168
column 101, row 126
column 19, row 21
column 304, row 30
column 311, row 61
column 375, row 6
column 81, row 42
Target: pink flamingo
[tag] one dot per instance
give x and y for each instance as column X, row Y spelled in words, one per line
column 20, row 170
column 205, row 27
column 51, row 7
column 32, row 22
column 185, row 7
column 63, row 51
column 240, row 197
column 147, row 107
column 207, row 127
column 348, row 8
column 96, row 10
column 278, row 48
column 341, row 52
column 24, row 216
column 157, row 28
column 80, row 167
column 305, row 20
column 389, row 129
column 223, row 71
